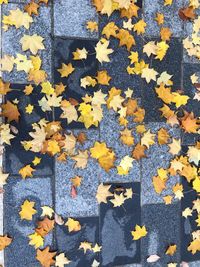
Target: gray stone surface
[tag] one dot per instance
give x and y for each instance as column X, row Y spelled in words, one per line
column 163, row 226
column 75, row 14
column 110, row 134
column 157, row 157
column 70, row 242
column 41, row 25
column 85, row 203
column 116, row 225
column 172, row 19
column 16, row 192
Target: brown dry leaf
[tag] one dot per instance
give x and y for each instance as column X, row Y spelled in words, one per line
column 189, row 123
column 32, row 8
column 187, row 13
column 66, row 70
column 125, row 38
column 103, row 78
column 81, row 137
column 159, row 184
column 10, row 111
column 45, row 226
column 139, row 152
column 45, row 257
column 126, row 137
column 165, row 34
column 131, row 106
column 4, row 87
column 132, row 11
column 163, row 136
column 107, row 161
column 5, row 241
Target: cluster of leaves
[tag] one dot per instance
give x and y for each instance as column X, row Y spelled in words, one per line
column 48, row 137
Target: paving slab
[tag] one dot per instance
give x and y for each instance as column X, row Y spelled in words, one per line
column 170, row 13
column 110, row 134
column 157, row 157
column 172, row 65
column 77, row 13
column 188, row 225
column 11, row 45
column 64, row 49
column 119, row 61
column 163, row 226
column 16, row 192
column 70, row 242
column 16, row 156
column 85, row 203
column 116, row 225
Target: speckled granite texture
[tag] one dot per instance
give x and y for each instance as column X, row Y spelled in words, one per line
column 63, row 25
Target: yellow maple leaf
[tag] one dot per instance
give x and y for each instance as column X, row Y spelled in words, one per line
column 194, row 246
column 3, row 1
column 139, row 27
column 168, row 2
column 26, row 171
column 92, row 26
column 36, row 240
column 32, row 43
column 47, row 88
column 110, row 30
column 159, row 184
column 159, row 18
column 162, row 48
column 196, row 184
column 53, row 147
column 179, row 100
column 27, row 210
column 73, row 225
column 29, row 108
column 66, row 70
column 171, row 250
column 99, row 150
column 139, row 232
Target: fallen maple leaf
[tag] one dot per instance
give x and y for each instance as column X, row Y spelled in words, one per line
column 26, row 171
column 32, row 43
column 5, row 241
column 27, row 210
column 102, row 51
column 73, row 225
column 139, row 232
column 10, row 111
column 45, row 257
column 103, row 193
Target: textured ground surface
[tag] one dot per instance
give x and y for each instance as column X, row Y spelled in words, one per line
column 62, row 24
